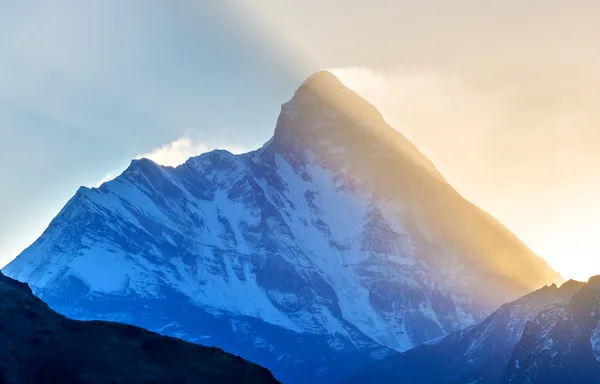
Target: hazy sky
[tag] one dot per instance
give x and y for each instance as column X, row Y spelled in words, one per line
column 501, row 94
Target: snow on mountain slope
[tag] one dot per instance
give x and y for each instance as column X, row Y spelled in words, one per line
column 478, row 354
column 337, row 235
column 561, row 344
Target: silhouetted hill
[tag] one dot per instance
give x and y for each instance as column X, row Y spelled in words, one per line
column 37, row 345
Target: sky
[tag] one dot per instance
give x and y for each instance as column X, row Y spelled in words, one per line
column 500, row 94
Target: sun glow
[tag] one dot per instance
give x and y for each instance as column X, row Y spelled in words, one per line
column 582, row 245
column 511, row 126
column 532, row 170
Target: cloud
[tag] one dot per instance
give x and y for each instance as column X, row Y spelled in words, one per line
column 174, row 154
column 107, row 177
column 179, row 151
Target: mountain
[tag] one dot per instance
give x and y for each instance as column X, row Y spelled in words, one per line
column 37, row 345
column 337, row 236
column 562, row 344
column 478, row 354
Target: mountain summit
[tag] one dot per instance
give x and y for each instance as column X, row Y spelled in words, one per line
column 337, row 235
column 323, row 90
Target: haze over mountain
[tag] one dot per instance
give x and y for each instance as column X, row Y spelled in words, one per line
column 39, row 346
column 337, row 236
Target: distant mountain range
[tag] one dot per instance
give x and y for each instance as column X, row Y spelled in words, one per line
column 562, row 344
column 39, row 346
column 334, row 245
column 478, row 354
column 551, row 336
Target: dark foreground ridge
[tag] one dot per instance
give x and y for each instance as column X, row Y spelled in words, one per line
column 37, row 345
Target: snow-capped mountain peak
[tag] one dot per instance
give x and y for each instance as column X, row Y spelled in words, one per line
column 337, row 234
column 322, row 90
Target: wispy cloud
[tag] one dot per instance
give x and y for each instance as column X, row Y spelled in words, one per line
column 177, row 152
column 108, row 177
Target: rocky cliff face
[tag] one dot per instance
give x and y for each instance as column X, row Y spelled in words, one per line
column 337, row 236
column 562, row 344
column 37, row 345
column 478, row 354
